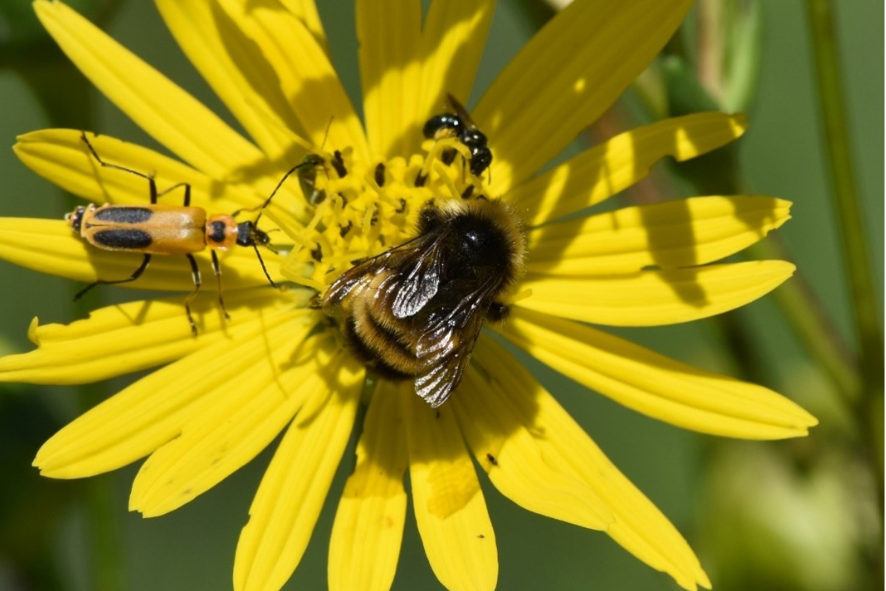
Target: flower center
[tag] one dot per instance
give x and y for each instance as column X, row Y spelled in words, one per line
column 360, row 209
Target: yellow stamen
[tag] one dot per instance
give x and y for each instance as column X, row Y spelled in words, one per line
column 359, row 218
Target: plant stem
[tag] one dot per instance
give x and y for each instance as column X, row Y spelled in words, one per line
column 865, row 308
column 869, row 407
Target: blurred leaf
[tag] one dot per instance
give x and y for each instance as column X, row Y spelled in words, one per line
column 685, row 93
column 743, row 54
column 30, row 511
column 771, row 526
column 19, row 25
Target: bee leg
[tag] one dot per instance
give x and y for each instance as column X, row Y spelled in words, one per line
column 195, row 274
column 135, row 275
column 217, row 270
column 497, row 312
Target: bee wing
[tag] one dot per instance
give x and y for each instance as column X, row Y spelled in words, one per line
column 418, row 282
column 460, row 111
column 445, row 347
column 365, row 270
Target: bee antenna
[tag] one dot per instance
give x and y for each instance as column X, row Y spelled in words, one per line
column 326, row 134
column 263, row 268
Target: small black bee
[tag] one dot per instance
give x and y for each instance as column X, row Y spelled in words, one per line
column 416, row 310
column 307, row 178
column 458, row 124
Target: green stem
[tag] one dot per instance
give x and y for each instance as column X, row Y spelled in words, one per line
column 869, row 407
column 799, row 306
column 718, row 172
column 104, row 523
column 804, row 314
column 849, row 214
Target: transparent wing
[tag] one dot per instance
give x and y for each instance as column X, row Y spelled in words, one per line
column 417, row 281
column 445, row 347
column 460, row 111
column 364, row 271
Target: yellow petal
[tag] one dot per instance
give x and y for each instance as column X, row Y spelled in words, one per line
column 453, row 40
column 50, row 246
column 656, row 385
column 295, row 485
column 61, row 156
column 152, row 411
column 168, row 113
column 125, row 338
column 678, row 233
column 637, row 524
column 234, row 67
column 389, row 34
column 614, row 165
column 303, row 71
column 368, row 529
column 449, row 507
column 513, row 449
column 650, row 298
column 234, row 429
column 306, row 12
column 567, row 76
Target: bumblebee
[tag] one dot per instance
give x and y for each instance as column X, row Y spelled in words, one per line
column 416, row 310
column 458, row 124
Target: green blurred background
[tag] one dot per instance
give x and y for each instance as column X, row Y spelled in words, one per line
column 783, row 515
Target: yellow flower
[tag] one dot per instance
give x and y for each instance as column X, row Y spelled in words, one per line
column 278, row 364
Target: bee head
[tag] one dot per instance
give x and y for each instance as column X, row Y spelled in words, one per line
column 481, row 244
column 482, row 235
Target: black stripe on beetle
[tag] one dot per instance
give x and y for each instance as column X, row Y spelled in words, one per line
column 123, row 215
column 126, row 239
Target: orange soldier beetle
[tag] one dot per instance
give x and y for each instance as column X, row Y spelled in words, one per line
column 168, row 230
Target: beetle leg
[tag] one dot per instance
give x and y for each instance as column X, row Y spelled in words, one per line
column 216, row 268
column 195, row 274
column 187, row 186
column 135, row 275
column 148, row 177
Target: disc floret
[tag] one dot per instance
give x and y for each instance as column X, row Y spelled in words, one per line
column 359, row 209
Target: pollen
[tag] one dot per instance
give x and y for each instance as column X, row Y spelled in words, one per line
column 357, row 210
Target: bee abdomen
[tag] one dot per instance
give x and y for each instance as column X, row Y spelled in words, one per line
column 379, row 346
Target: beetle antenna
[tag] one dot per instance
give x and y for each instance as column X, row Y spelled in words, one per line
column 280, row 184
column 274, row 192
